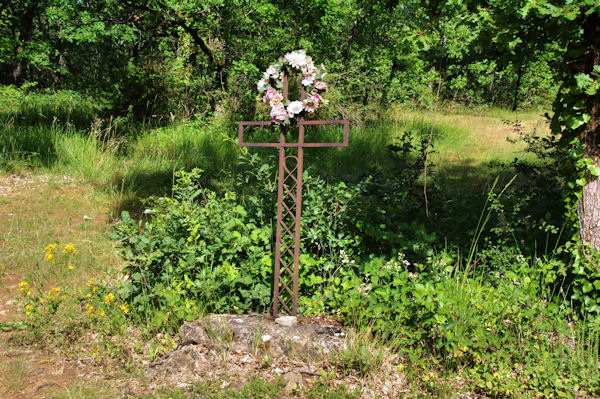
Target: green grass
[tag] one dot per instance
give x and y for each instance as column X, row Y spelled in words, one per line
column 48, row 209
column 469, row 150
column 255, row 388
column 13, row 374
column 141, row 163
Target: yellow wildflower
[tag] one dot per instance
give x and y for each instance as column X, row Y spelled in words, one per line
column 90, row 309
column 49, row 258
column 88, row 295
column 42, row 301
column 28, row 307
column 109, row 298
column 124, row 307
column 70, row 266
column 27, row 313
column 102, row 314
column 28, row 292
column 90, row 283
column 23, row 286
column 54, row 291
column 51, row 247
column 69, row 248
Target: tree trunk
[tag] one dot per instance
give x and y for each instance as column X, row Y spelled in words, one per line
column 589, row 204
column 387, row 86
column 589, row 212
column 350, row 39
column 517, row 87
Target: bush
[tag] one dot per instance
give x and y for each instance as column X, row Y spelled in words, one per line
column 507, row 337
column 198, row 253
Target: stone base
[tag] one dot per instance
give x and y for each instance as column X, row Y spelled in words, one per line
column 250, row 340
column 259, row 334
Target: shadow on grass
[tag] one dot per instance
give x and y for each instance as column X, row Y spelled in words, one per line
column 457, row 190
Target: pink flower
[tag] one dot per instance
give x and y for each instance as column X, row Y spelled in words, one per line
column 278, row 113
column 271, row 92
column 320, row 86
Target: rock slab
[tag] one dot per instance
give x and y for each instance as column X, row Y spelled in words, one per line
column 259, row 334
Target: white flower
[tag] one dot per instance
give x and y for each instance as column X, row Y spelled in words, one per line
column 261, row 85
column 308, row 79
column 272, row 72
column 296, row 59
column 310, row 66
column 294, row 108
column 364, row 289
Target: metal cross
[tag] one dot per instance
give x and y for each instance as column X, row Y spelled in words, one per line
column 289, row 205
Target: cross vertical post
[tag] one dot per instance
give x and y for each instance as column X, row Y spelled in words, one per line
column 289, row 205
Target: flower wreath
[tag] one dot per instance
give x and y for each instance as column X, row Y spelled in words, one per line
column 283, row 111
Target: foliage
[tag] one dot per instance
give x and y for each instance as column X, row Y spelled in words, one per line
column 151, row 60
column 463, row 322
column 62, row 315
column 23, row 106
column 198, row 253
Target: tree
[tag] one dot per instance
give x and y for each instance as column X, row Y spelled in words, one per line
column 577, row 117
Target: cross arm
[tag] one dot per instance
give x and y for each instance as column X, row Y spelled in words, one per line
column 343, row 143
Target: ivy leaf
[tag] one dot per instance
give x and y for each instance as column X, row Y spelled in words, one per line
column 594, row 170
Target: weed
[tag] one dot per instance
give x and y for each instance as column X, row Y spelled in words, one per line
column 84, row 391
column 363, row 355
column 256, row 342
column 221, row 335
column 13, row 374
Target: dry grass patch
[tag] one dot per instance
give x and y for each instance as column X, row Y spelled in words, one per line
column 39, row 210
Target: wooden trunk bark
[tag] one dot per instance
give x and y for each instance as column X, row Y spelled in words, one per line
column 517, row 87
column 589, row 213
column 589, row 205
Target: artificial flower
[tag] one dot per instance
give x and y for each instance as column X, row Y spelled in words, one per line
column 297, row 59
column 320, row 86
column 278, row 113
column 294, row 108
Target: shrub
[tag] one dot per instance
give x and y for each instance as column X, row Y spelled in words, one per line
column 506, row 336
column 198, row 253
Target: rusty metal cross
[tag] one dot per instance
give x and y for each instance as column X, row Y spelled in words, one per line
column 289, row 204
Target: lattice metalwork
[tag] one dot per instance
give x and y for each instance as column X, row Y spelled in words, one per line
column 289, row 206
column 287, row 244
